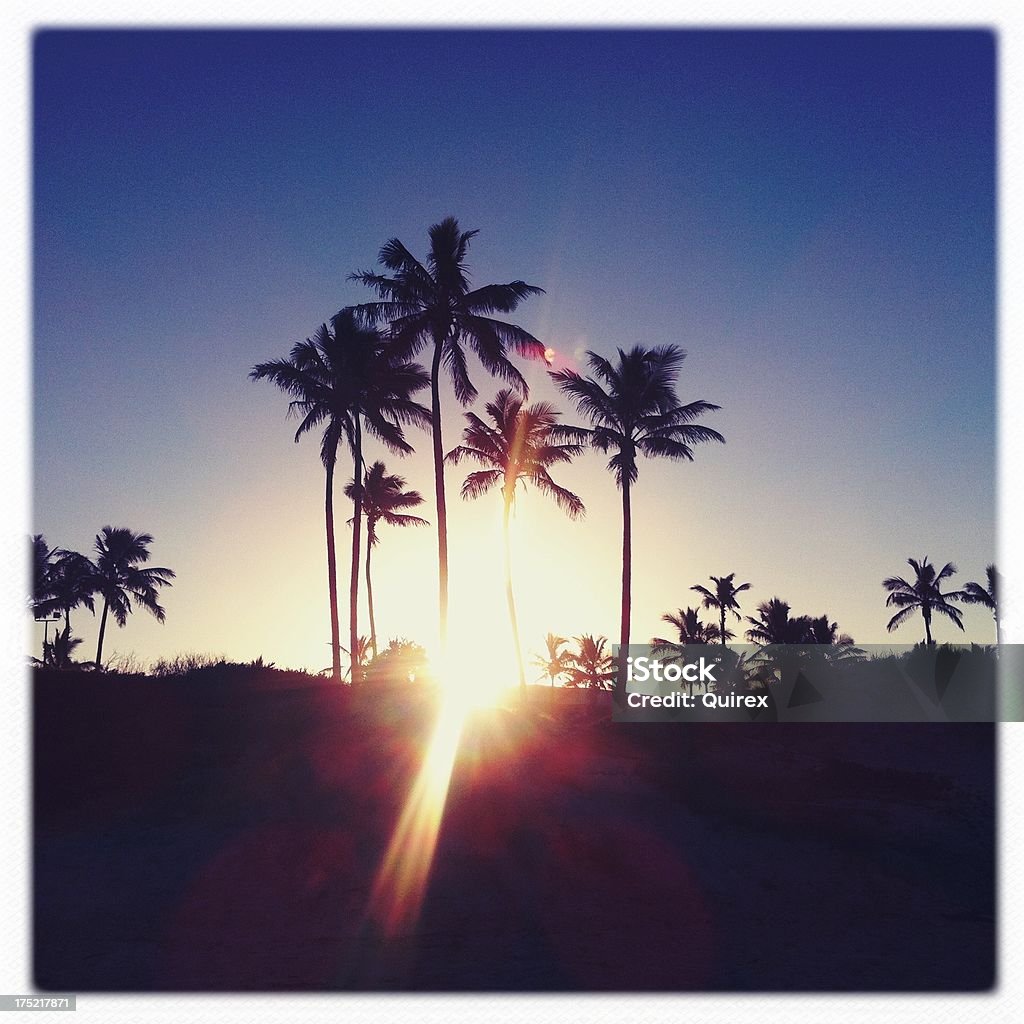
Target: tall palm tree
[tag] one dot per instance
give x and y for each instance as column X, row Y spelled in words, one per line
column 633, row 409
column 589, row 665
column 433, row 304
column 987, row 596
column 555, row 661
column 923, row 594
column 383, row 496
column 519, row 446
column 123, row 576
column 723, row 599
column 347, row 378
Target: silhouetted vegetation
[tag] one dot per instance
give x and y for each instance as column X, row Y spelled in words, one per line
column 348, row 379
column 383, row 497
column 633, row 409
column 432, row 304
column 520, row 448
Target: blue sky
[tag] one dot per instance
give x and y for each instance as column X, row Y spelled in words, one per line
column 811, row 215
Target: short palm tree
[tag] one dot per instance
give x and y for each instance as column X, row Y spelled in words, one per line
column 73, row 585
column 923, row 594
column 384, row 495
column 590, row 665
column 432, row 304
column 519, row 446
column 122, row 576
column 633, row 409
column 554, row 662
column 690, row 630
column 841, row 646
column 723, row 599
column 773, row 625
column 358, row 660
column 987, row 596
column 346, row 378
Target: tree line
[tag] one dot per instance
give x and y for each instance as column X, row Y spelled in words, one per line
column 357, row 376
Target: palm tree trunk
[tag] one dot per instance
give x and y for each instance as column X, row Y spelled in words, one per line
column 627, row 568
column 510, row 595
column 442, row 515
column 357, row 520
column 99, row 642
column 369, row 591
column 928, row 629
column 723, row 626
column 332, row 574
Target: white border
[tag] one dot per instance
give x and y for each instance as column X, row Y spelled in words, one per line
column 14, row 470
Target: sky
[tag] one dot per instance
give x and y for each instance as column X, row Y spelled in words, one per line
column 810, row 215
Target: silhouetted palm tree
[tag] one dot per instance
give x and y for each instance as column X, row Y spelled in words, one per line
column 554, row 662
column 589, row 665
column 346, row 378
column 924, row 594
column 123, row 576
column 774, row 626
column 362, row 649
column 383, row 496
column 841, row 645
column 520, row 448
column 43, row 558
column 723, row 598
column 42, row 601
column 987, row 596
column 73, row 584
column 633, row 408
column 690, row 631
column 433, row 304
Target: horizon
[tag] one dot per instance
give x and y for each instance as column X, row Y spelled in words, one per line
column 799, row 229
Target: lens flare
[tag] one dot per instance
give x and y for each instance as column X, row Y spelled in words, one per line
column 401, row 882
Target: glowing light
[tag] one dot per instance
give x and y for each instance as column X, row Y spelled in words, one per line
column 549, row 356
column 402, row 879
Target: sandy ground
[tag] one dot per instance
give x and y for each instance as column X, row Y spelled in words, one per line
column 226, row 837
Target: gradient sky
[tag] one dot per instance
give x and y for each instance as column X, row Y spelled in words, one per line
column 810, row 215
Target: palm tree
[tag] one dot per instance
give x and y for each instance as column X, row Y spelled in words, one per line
column 359, row 659
column 73, row 584
column 520, row 448
column 122, row 575
column 633, row 408
column 988, row 596
column 924, row 594
column 690, row 629
column 344, row 378
column 774, row 626
column 554, row 662
column 41, row 601
column 723, row 598
column 841, row 646
column 589, row 665
column 433, row 304
column 383, row 495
